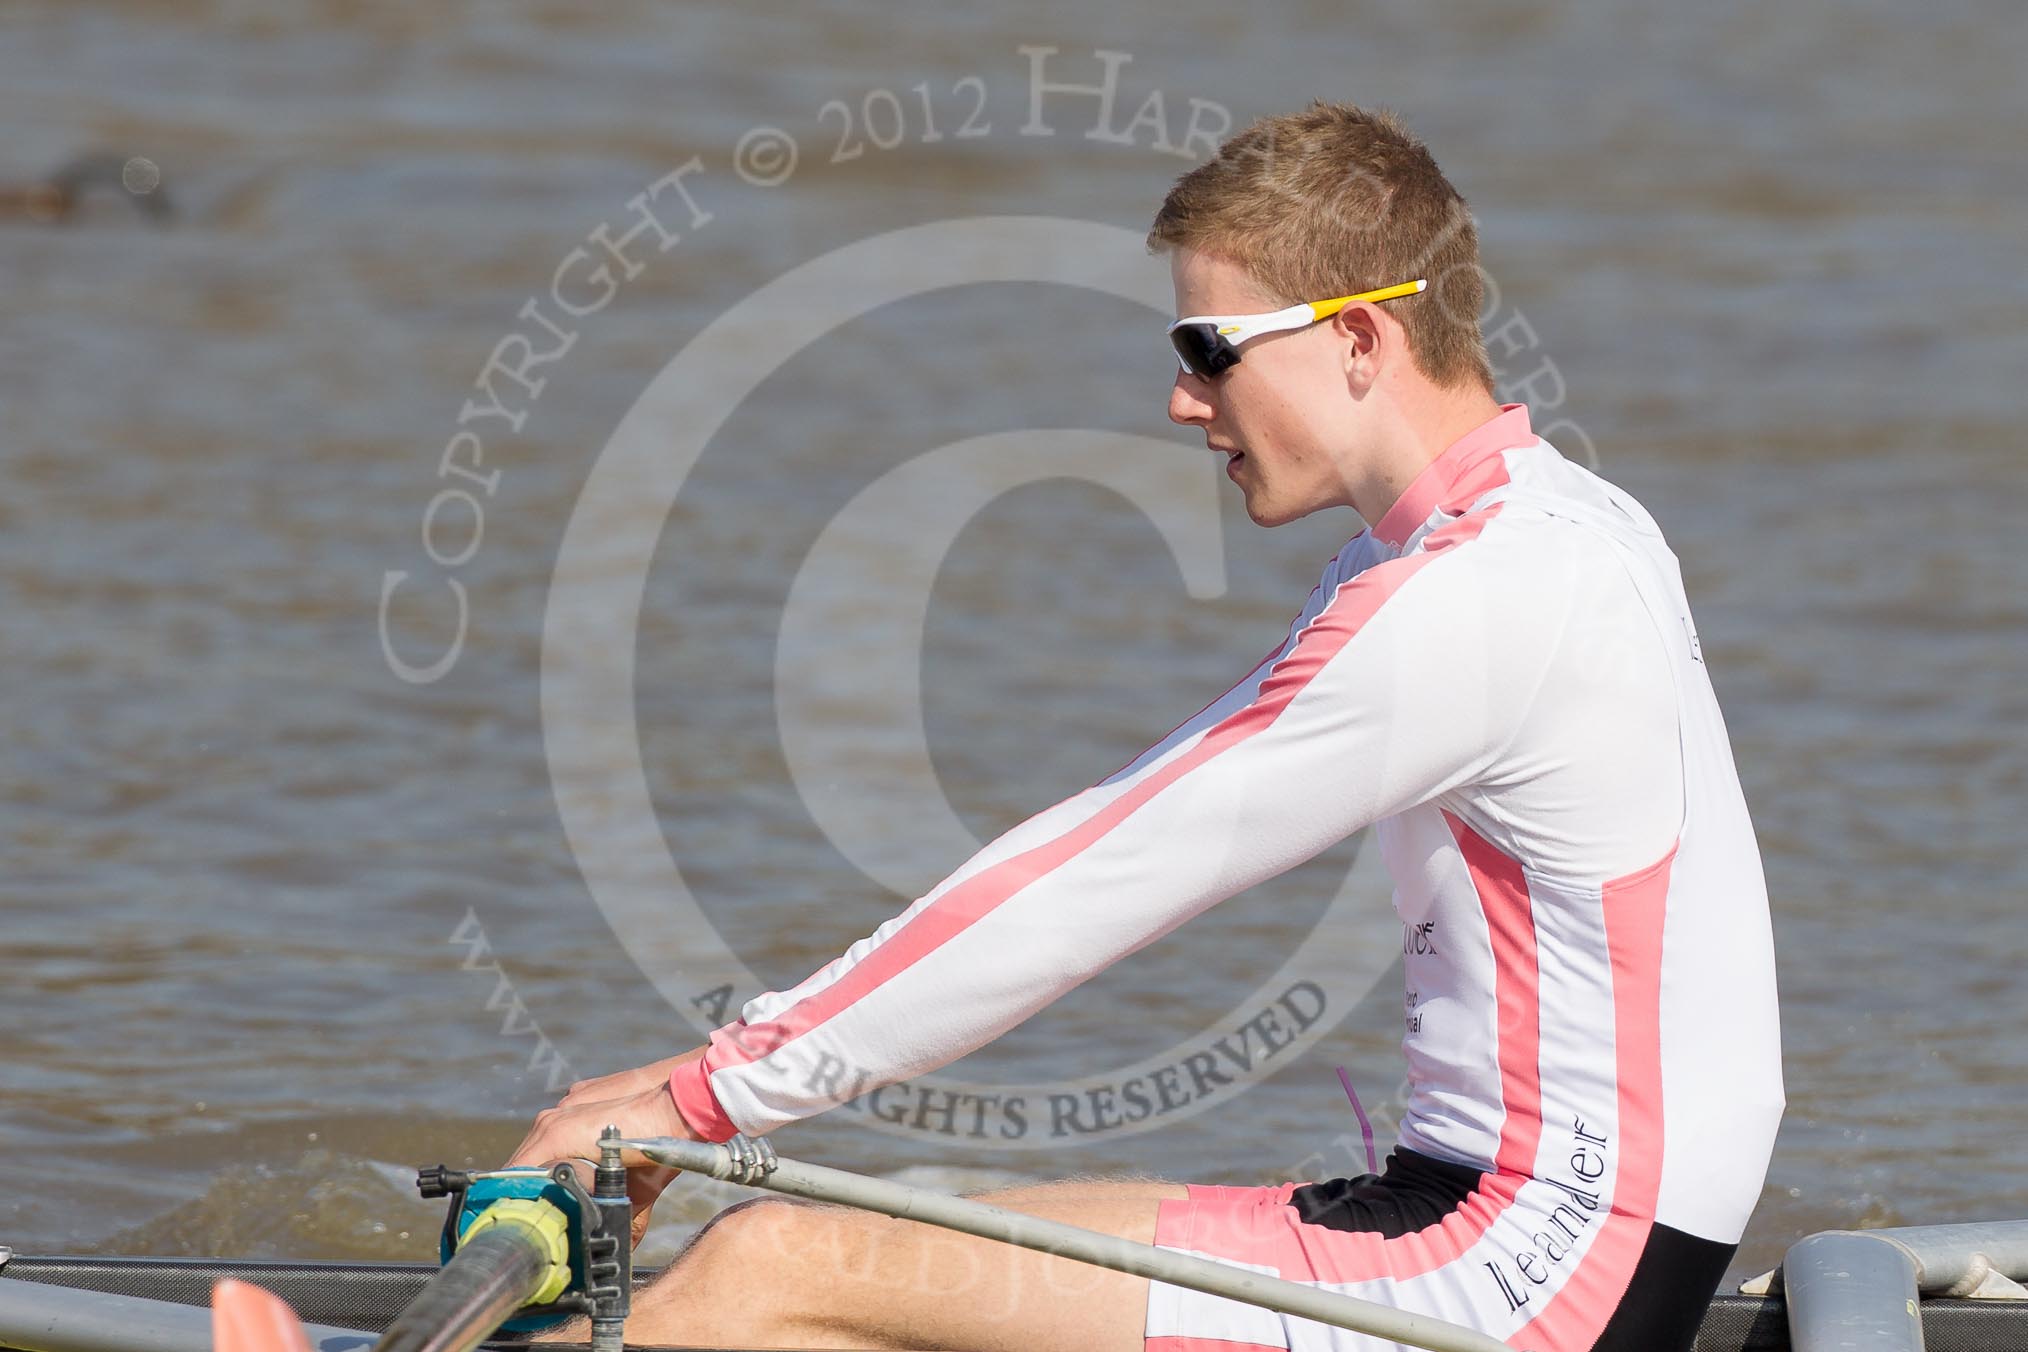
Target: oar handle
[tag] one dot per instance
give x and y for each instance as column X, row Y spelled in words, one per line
column 483, row 1284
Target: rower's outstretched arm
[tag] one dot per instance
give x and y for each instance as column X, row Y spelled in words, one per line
column 1404, row 680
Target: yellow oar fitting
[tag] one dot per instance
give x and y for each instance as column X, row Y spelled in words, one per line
column 545, row 1224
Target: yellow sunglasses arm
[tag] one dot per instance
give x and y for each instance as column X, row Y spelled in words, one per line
column 1324, row 309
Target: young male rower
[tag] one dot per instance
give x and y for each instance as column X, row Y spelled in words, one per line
column 1501, row 675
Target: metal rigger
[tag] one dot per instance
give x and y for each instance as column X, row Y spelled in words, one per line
column 522, row 1250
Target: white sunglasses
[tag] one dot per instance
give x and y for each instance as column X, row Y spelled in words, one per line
column 1208, row 344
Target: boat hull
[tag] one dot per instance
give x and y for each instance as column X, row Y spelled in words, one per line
column 369, row 1295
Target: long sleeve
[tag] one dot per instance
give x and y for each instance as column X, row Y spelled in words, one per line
column 1383, row 696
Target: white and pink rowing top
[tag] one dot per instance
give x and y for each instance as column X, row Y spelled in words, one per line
column 1502, row 676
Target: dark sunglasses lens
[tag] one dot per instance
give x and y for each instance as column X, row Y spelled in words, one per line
column 1203, row 349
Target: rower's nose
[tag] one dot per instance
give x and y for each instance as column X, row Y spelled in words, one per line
column 1187, row 402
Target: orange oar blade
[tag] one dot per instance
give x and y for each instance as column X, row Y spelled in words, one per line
column 244, row 1318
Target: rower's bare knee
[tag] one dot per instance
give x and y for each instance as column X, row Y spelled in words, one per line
column 741, row 1279
column 755, row 1237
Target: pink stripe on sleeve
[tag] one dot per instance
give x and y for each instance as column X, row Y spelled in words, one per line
column 690, row 1087
column 1351, row 608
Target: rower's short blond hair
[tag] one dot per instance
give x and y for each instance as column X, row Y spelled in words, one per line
column 1336, row 200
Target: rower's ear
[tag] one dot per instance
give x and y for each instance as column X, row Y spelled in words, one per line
column 1365, row 344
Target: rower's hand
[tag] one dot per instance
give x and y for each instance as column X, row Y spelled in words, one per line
column 625, row 1083
column 640, row 1106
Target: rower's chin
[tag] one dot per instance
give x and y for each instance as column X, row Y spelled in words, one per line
column 1264, row 509
column 1260, row 507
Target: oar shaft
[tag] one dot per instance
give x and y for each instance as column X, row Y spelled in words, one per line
column 818, row 1183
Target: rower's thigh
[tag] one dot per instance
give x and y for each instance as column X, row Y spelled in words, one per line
column 874, row 1281
column 1059, row 1198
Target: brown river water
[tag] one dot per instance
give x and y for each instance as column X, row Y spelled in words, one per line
column 280, row 925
